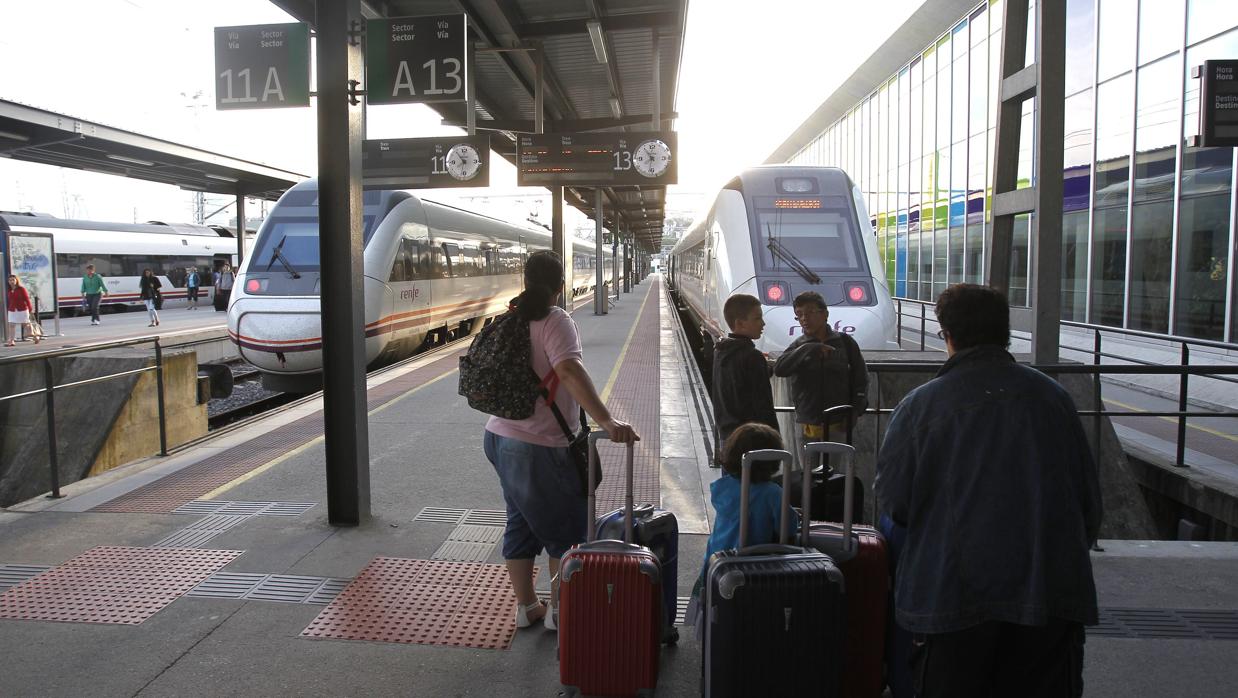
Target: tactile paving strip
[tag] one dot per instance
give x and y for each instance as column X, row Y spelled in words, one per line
column 112, row 584
column 220, row 506
column 1186, row 624
column 177, row 489
column 12, row 575
column 427, row 602
column 634, row 397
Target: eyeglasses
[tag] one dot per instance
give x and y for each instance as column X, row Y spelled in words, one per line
column 802, row 314
column 941, row 334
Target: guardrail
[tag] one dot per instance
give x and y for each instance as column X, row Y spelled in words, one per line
column 50, row 387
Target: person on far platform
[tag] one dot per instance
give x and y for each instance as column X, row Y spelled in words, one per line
column 19, row 310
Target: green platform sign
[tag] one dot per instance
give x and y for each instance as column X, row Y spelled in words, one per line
column 263, row 66
column 411, row 60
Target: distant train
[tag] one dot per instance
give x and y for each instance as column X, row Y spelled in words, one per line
column 119, row 252
column 774, row 232
column 432, row 273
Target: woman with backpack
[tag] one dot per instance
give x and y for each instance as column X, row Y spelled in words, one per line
column 546, row 505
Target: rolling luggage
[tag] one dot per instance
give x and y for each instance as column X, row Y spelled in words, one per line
column 658, row 530
column 828, row 484
column 770, row 607
column 610, row 608
column 860, row 552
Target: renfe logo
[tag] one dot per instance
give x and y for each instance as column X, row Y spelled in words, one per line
column 410, row 294
column 838, row 327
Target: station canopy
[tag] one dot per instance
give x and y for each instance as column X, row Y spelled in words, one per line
column 601, row 62
column 37, row 135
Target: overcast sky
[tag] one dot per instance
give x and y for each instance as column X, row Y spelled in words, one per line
column 147, row 66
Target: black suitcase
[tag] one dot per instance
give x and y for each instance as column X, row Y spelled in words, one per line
column 828, row 485
column 768, row 607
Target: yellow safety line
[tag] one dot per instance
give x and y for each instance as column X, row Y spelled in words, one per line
column 1172, row 420
column 299, row 449
column 614, row 373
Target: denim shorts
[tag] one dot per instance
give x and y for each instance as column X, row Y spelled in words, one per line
column 545, row 509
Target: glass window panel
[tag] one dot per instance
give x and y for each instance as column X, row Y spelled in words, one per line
column 1074, row 265
column 1026, row 157
column 973, row 265
column 1160, row 28
column 1207, row 18
column 1117, row 26
column 1080, row 45
column 1077, row 191
column 958, row 103
column 958, row 187
column 943, row 102
column 1113, row 143
column 979, row 25
column 1077, row 131
column 997, row 15
column 1019, row 261
column 979, row 94
column 1113, row 109
column 995, row 71
column 1203, row 215
column 1156, row 124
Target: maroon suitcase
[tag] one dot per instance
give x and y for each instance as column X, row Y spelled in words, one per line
column 860, row 552
column 610, row 609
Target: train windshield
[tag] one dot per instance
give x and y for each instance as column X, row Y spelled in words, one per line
column 820, row 240
column 296, row 239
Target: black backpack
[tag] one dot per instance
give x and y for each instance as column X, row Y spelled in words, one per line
column 496, row 374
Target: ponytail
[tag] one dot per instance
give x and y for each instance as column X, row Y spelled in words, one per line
column 543, row 278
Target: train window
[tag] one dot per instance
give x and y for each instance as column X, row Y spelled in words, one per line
column 822, row 240
column 450, row 252
column 399, row 264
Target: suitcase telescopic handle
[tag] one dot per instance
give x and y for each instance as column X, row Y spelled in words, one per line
column 745, row 486
column 594, row 458
column 839, row 413
column 825, row 448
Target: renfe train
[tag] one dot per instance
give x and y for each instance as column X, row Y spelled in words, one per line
column 774, row 232
column 120, row 251
column 432, row 273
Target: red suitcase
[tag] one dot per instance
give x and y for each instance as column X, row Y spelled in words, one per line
column 860, row 552
column 610, row 609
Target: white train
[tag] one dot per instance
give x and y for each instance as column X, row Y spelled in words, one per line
column 119, row 252
column 774, row 232
column 432, row 272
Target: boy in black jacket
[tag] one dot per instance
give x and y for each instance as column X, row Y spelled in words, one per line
column 741, row 388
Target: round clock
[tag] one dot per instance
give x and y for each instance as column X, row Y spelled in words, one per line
column 651, row 158
column 463, row 162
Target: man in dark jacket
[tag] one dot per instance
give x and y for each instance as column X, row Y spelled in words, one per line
column 741, row 389
column 988, row 468
column 826, row 368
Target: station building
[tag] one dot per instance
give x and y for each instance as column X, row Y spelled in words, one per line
column 1149, row 222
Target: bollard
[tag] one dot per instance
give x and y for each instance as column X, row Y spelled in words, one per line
column 163, row 423
column 52, row 457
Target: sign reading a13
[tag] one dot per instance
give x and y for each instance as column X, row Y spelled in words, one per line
column 416, row 59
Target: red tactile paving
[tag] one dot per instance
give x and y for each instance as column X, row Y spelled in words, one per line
column 634, row 397
column 112, row 584
column 424, row 602
column 170, row 492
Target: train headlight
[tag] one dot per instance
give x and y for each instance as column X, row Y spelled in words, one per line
column 777, row 293
column 857, row 293
column 256, row 286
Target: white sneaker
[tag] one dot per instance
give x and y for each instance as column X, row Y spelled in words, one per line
column 522, row 614
column 551, row 621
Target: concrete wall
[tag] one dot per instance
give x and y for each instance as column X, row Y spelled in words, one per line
column 1126, row 512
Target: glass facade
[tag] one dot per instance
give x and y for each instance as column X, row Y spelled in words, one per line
column 1148, row 225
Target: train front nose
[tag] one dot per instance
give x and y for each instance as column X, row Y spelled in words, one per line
column 861, row 322
column 283, row 337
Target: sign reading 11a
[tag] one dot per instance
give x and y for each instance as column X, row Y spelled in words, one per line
column 262, row 66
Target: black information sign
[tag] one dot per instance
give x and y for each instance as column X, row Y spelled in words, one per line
column 416, row 59
column 426, row 163
column 262, row 66
column 1218, row 104
column 597, row 159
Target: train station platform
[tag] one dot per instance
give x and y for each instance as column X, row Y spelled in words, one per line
column 214, row 571
column 176, row 326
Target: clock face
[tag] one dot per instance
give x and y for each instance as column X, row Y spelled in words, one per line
column 651, row 158
column 463, row 162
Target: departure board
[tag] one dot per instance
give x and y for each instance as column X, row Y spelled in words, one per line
column 426, row 163
column 1218, row 104
column 597, row 159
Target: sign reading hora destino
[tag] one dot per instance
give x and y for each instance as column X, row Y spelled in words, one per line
column 597, row 159
column 262, row 66
column 425, row 163
column 416, row 59
column 1218, row 104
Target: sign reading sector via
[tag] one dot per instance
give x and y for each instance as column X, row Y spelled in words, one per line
column 416, row 59
column 262, row 66
column 1218, row 104
column 597, row 159
column 426, row 163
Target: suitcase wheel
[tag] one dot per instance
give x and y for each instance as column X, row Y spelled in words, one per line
column 671, row 637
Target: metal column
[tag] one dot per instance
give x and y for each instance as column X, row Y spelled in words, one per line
column 614, row 258
column 343, row 318
column 558, row 243
column 599, row 298
column 1044, row 80
column 240, row 230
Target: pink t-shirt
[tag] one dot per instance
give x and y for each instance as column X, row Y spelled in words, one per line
column 555, row 338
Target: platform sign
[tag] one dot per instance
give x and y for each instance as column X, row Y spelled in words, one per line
column 416, row 59
column 597, row 159
column 262, row 66
column 426, row 163
column 1218, row 104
